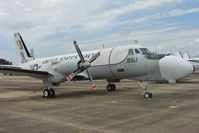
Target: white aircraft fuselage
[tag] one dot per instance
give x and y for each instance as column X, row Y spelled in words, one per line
column 114, row 64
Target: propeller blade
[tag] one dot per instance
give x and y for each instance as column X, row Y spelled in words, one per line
column 94, row 57
column 72, row 75
column 94, row 85
column 91, row 80
column 83, row 65
column 78, row 51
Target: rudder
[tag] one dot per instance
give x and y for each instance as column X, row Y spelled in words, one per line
column 23, row 55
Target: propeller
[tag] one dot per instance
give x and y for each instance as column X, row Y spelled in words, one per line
column 83, row 65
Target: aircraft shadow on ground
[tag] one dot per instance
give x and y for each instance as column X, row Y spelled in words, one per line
column 78, row 94
column 188, row 94
column 62, row 94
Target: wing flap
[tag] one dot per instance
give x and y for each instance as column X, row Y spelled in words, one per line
column 23, row 72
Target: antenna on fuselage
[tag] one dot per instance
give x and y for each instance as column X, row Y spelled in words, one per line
column 135, row 41
column 102, row 46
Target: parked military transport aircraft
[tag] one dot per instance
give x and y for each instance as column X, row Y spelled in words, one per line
column 113, row 64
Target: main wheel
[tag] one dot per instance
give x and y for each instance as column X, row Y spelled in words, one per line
column 109, row 87
column 113, row 87
column 46, row 93
column 150, row 94
column 52, row 93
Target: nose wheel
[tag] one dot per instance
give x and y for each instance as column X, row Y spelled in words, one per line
column 111, row 87
column 148, row 95
column 145, row 86
column 48, row 93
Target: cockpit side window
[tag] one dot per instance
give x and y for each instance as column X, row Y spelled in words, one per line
column 145, row 51
column 137, row 51
column 130, row 52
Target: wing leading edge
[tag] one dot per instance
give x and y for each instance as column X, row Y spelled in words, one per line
column 23, row 72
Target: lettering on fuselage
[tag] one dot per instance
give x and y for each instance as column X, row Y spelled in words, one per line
column 131, row 60
column 24, row 61
column 65, row 58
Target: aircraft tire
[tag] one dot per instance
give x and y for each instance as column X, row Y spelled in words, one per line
column 52, row 93
column 113, row 87
column 109, row 87
column 148, row 95
column 46, row 93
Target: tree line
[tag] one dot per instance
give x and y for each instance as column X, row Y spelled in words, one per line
column 5, row 62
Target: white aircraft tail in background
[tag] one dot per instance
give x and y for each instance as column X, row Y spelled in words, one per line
column 178, row 54
column 186, row 55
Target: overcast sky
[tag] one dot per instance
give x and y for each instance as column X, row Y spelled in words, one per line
column 50, row 26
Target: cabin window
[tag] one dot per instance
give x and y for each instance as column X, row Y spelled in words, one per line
column 131, row 52
column 137, row 51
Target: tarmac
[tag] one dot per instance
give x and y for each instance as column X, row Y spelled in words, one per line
column 79, row 109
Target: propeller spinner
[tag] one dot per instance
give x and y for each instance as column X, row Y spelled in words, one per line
column 83, row 65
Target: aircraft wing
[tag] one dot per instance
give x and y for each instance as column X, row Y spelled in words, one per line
column 23, row 72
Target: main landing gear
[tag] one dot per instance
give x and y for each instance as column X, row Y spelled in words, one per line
column 145, row 86
column 48, row 93
column 111, row 87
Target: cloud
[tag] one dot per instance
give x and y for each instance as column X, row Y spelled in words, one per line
column 159, row 47
column 53, row 24
column 197, row 40
column 62, row 15
column 105, row 19
column 162, row 15
column 141, row 19
column 179, row 12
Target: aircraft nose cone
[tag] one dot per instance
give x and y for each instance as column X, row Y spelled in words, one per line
column 173, row 68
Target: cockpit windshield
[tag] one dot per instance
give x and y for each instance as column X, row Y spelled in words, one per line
column 147, row 54
column 151, row 56
column 145, row 51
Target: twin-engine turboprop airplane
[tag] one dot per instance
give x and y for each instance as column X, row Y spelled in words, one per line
column 113, row 64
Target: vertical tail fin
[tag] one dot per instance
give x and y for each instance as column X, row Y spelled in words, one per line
column 186, row 55
column 179, row 54
column 23, row 55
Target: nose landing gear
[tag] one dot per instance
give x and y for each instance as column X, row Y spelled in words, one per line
column 148, row 95
column 145, row 86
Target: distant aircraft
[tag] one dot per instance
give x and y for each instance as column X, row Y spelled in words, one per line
column 113, row 64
